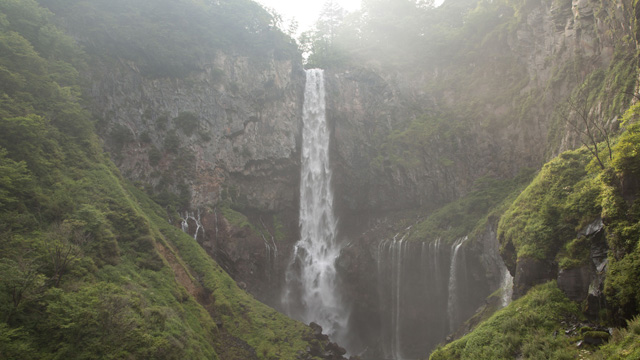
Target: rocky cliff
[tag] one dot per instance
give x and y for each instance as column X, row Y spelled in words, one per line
column 234, row 123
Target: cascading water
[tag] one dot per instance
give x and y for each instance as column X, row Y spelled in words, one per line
column 311, row 285
column 190, row 216
column 271, row 255
column 394, row 250
column 507, row 286
column 452, row 305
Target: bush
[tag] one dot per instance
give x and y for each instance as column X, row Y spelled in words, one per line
column 187, row 122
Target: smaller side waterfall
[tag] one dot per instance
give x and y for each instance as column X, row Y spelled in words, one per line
column 427, row 289
column 507, row 286
column 452, row 304
column 413, row 317
column 396, row 249
column 271, row 255
column 195, row 218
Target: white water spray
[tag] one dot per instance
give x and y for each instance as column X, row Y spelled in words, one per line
column 310, row 292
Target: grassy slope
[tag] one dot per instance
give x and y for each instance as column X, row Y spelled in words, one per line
column 89, row 267
column 528, row 327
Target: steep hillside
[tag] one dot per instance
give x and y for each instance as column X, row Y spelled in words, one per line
column 89, row 266
column 575, row 224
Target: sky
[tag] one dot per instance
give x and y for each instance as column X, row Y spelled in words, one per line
column 305, row 12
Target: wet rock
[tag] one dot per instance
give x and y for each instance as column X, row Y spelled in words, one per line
column 575, row 282
column 531, row 272
column 321, row 346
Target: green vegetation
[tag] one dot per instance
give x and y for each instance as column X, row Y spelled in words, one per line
column 530, row 327
column 89, row 265
column 552, row 209
column 535, row 327
column 570, row 192
column 187, row 122
column 624, row 343
column 171, row 38
column 469, row 213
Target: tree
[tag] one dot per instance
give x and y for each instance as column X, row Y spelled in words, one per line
column 62, row 249
column 582, row 118
column 20, row 283
column 321, row 42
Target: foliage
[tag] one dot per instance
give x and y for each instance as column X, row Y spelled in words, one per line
column 571, row 191
column 624, row 343
column 622, row 217
column 550, row 211
column 166, row 38
column 461, row 217
column 187, row 122
column 529, row 327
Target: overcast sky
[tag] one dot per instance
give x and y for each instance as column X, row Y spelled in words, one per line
column 305, row 12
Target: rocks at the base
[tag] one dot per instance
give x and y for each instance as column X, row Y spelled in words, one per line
column 322, row 347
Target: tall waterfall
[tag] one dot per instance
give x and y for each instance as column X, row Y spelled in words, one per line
column 311, row 284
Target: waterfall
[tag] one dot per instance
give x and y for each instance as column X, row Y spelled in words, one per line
column 507, row 286
column 392, row 251
column 452, row 304
column 271, row 257
column 413, row 298
column 397, row 255
column 311, row 285
column 215, row 217
column 196, row 219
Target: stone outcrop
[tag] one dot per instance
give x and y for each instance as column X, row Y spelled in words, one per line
column 586, row 282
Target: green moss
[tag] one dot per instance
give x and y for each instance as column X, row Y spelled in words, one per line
column 548, row 213
column 529, row 327
column 463, row 216
column 236, row 219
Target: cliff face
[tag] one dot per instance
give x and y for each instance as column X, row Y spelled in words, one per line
column 407, row 138
column 234, row 122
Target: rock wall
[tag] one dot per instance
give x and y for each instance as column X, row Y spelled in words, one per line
column 519, row 80
column 235, row 122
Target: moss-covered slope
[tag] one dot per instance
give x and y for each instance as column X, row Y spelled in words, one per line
column 544, row 324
